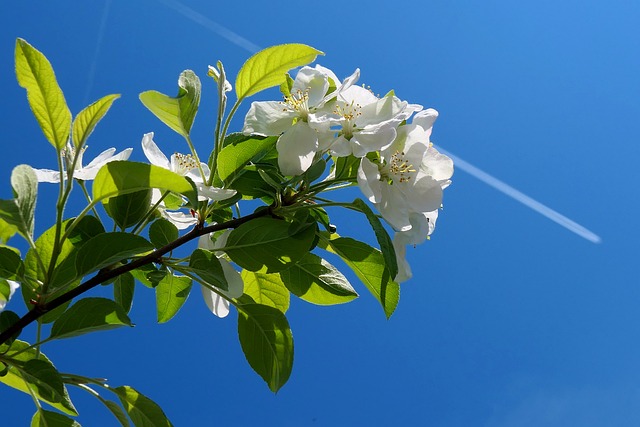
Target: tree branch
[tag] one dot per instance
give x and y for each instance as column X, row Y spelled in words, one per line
column 103, row 275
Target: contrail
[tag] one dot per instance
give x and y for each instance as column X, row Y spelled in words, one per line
column 224, row 32
column 465, row 166
column 94, row 63
column 523, row 198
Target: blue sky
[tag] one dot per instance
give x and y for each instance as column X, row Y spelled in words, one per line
column 510, row 319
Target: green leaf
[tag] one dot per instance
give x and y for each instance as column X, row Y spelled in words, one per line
column 270, row 243
column 206, row 265
column 117, row 411
column 162, row 232
column 178, row 113
column 250, row 184
column 89, row 315
column 41, row 376
column 286, row 85
column 44, row 418
column 316, row 281
column 269, row 67
column 239, row 150
column 266, row 289
column 368, row 264
column 107, row 248
column 386, row 245
column 123, row 177
column 8, row 319
column 171, row 294
column 123, row 289
column 266, row 340
column 346, row 168
column 143, row 411
column 11, row 266
column 128, row 209
column 7, row 231
column 35, row 74
column 20, row 211
column 87, row 119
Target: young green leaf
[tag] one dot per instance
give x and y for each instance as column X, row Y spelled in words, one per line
column 89, row 315
column 171, row 294
column 162, row 232
column 107, row 248
column 35, row 74
column 316, row 281
column 368, row 264
column 386, row 245
column 123, row 177
column 44, row 418
column 269, row 67
column 178, row 113
column 7, row 231
column 266, row 340
column 143, row 411
column 123, row 289
column 20, row 211
column 239, row 150
column 270, row 243
column 30, row 369
column 266, row 289
column 87, row 119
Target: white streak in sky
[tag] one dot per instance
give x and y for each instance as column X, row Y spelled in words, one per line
column 199, row 18
column 96, row 54
column 465, row 166
column 523, row 198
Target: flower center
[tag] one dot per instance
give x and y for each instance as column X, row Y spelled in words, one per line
column 184, row 163
column 349, row 112
column 398, row 169
column 298, row 102
column 69, row 152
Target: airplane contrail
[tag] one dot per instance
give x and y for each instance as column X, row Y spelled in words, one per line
column 222, row 31
column 490, row 180
column 522, row 198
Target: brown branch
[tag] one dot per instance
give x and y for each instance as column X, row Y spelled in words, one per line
column 104, row 275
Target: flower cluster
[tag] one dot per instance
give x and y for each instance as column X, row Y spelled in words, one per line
column 400, row 171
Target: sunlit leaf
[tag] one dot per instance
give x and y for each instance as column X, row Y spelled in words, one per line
column 386, row 245
column 239, row 150
column 316, row 281
column 162, row 232
column 128, row 209
column 87, row 119
column 89, row 315
column 44, row 418
column 270, row 243
column 171, row 294
column 266, row 340
column 123, row 289
column 176, row 112
column 269, row 67
column 35, row 74
column 368, row 264
column 266, row 289
column 20, row 211
column 143, row 411
column 123, row 177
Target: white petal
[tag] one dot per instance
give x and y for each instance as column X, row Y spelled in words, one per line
column 179, row 219
column 437, row 165
column 366, row 142
column 217, row 304
column 101, row 157
column 394, row 208
column 369, row 181
column 13, row 286
column 47, row 175
column 425, row 119
column 153, row 153
column 205, row 242
column 340, row 147
column 269, row 118
column 235, row 284
column 404, row 270
column 296, row 149
column 212, row 193
column 424, row 194
column 90, row 172
column 312, row 81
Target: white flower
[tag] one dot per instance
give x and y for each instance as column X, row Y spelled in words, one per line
column 294, row 118
column 180, row 219
column 13, row 286
column 408, row 177
column 84, row 173
column 363, row 123
column 185, row 165
column 218, row 304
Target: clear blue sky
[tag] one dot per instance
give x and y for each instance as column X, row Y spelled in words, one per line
column 510, row 320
